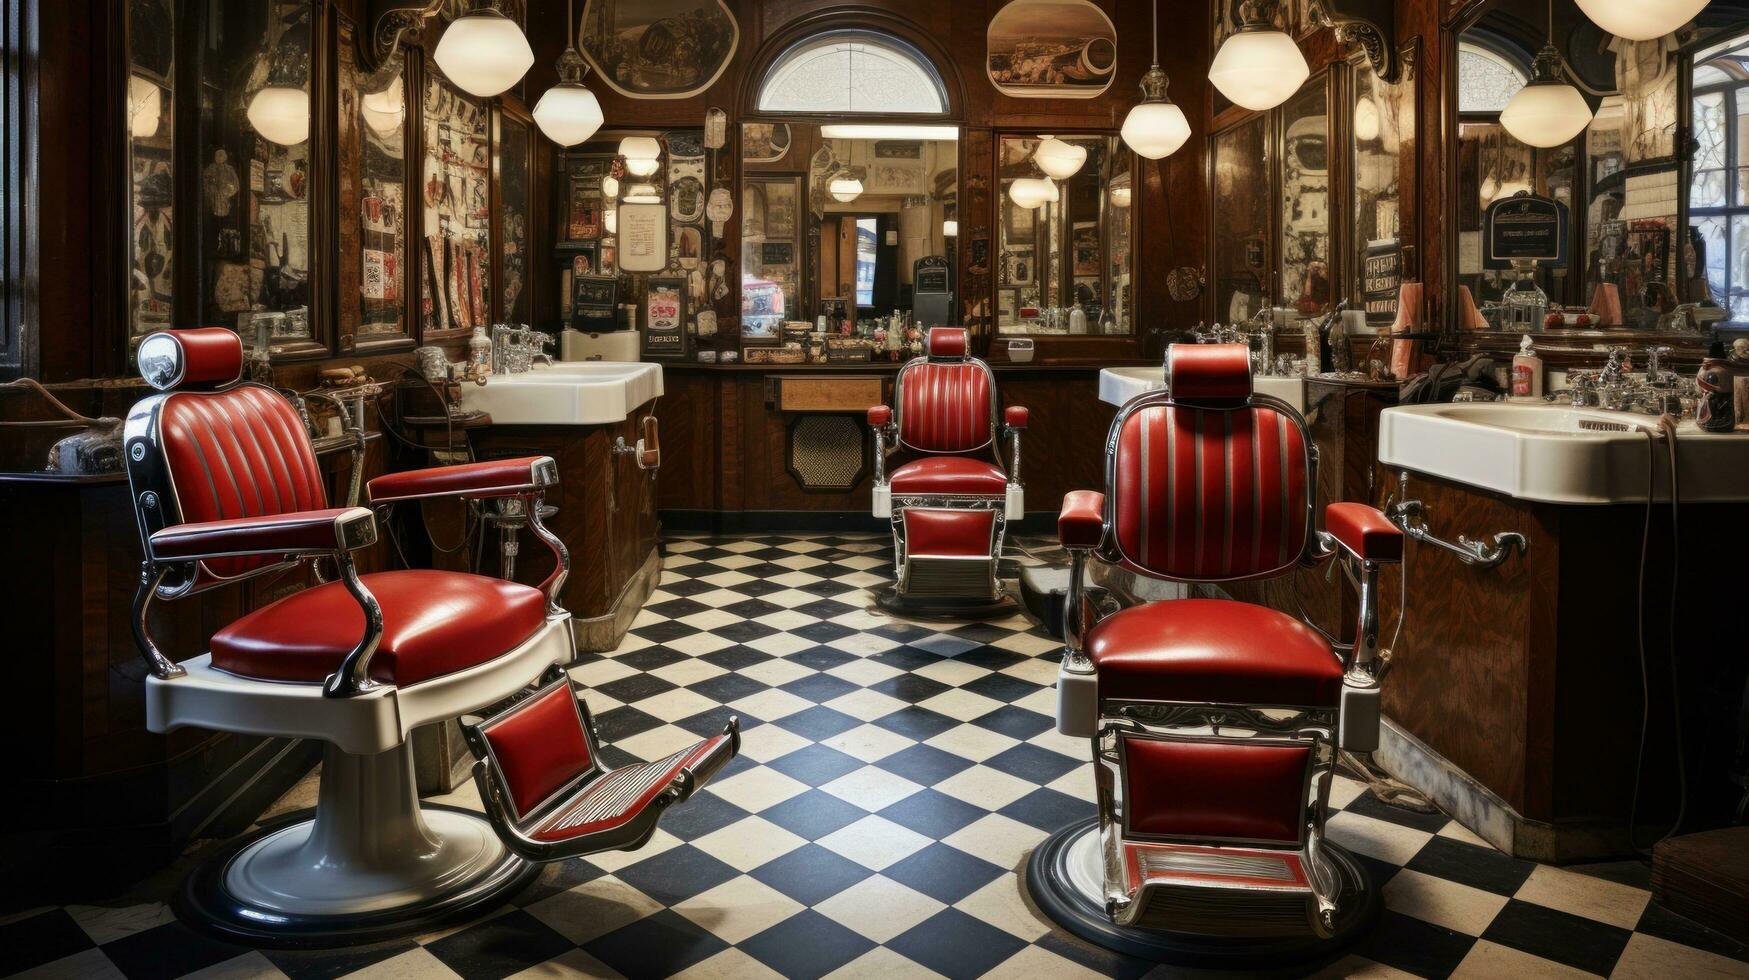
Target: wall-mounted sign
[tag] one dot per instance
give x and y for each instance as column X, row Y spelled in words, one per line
column 1524, row 228
column 665, row 318
column 1051, row 49
column 643, row 238
column 658, row 49
column 594, row 303
column 1381, row 277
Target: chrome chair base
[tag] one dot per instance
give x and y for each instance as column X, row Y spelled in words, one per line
column 1066, row 876
column 371, row 864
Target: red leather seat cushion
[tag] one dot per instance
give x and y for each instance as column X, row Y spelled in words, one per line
column 434, row 623
column 1213, row 650
column 950, row 474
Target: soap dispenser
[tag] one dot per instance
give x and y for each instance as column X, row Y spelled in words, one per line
column 480, row 352
column 1527, row 372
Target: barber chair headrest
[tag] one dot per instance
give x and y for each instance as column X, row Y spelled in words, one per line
column 199, row 357
column 1209, row 374
column 946, row 344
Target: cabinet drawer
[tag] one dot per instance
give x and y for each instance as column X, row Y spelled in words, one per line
column 835, row 393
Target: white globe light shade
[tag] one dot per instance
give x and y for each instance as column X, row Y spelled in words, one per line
column 641, row 167
column 1641, row 20
column 383, row 111
column 145, row 107
column 484, row 53
column 1259, row 69
column 568, row 113
column 1121, row 196
column 1545, row 114
column 950, row 228
column 281, row 113
column 642, row 155
column 610, row 188
column 1155, row 129
column 1366, row 120
column 844, row 189
column 1058, row 159
column 1030, row 192
column 610, row 220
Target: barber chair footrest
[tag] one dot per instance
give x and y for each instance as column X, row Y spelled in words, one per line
column 949, row 553
column 1192, row 910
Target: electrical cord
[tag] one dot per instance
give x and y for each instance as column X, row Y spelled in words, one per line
column 1667, row 428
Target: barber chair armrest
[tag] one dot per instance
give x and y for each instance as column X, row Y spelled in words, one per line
column 1081, row 525
column 1364, row 532
column 1014, row 419
column 310, row 532
column 1016, row 416
column 880, row 422
column 522, row 476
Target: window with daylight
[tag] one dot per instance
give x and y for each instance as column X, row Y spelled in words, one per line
column 1486, row 79
column 853, row 72
column 1718, row 190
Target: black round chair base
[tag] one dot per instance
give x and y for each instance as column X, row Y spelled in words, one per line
column 1051, row 882
column 207, row 904
column 939, row 607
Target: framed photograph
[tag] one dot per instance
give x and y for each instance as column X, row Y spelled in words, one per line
column 584, row 261
column 764, row 142
column 664, row 317
column 658, row 49
column 594, row 303
column 584, row 221
column 780, row 209
column 1051, row 49
column 777, row 253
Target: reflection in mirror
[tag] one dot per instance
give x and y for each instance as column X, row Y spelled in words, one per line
column 1617, row 180
column 1382, row 117
column 514, row 215
column 846, row 229
column 456, row 180
column 1241, row 220
column 381, row 124
column 1064, row 235
column 151, row 87
column 1304, row 285
column 1716, row 259
column 256, row 172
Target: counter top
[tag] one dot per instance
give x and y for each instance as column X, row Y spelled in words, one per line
column 888, row 367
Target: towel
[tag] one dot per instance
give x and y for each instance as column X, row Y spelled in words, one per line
column 1406, row 356
column 1606, row 305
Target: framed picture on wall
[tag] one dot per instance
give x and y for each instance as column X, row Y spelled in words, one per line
column 1051, row 49
column 664, row 317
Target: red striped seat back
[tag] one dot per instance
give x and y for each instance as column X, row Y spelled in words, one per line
column 946, row 402
column 1206, row 484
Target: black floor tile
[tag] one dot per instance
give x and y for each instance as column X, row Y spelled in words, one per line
column 1468, row 864
column 40, row 939
column 1414, row 946
column 1560, row 936
column 918, row 723
column 169, row 950
column 814, row 814
column 676, row 874
column 1048, row 810
column 954, row 944
column 659, row 945
column 806, row 945
column 810, row 874
column 1031, row 763
column 816, row 765
column 818, row 723
column 943, row 872
column 1015, row 722
column 325, row 964
column 499, row 946
column 932, row 814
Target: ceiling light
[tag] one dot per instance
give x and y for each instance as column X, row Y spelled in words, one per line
column 642, row 155
column 568, row 113
column 844, row 189
column 145, row 107
column 1366, row 119
column 1548, row 111
column 887, row 131
column 484, row 52
column 1258, row 67
column 1120, row 196
column 1030, row 192
column 1641, row 20
column 383, row 111
column 281, row 113
column 1156, row 126
column 1059, row 160
column 950, row 228
column 610, row 187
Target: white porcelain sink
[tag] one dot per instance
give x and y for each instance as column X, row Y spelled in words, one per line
column 1119, row 384
column 567, row 393
column 1557, row 454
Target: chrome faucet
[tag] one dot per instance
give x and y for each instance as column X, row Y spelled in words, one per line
column 515, row 348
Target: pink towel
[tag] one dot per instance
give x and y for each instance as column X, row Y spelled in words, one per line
column 1406, row 356
column 1469, row 317
column 1606, row 305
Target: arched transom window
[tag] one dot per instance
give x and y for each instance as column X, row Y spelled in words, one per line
column 853, row 72
column 1486, row 80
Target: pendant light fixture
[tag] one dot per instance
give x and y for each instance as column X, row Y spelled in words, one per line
column 383, row 111
column 643, row 155
column 1641, row 20
column 145, row 107
column 1258, row 67
column 280, row 109
column 1548, row 111
column 1032, row 192
column 569, row 113
column 1155, row 126
column 1058, row 159
column 484, row 52
column 845, row 188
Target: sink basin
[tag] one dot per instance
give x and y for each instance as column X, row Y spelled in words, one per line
column 1562, row 455
column 567, row 393
column 1119, row 384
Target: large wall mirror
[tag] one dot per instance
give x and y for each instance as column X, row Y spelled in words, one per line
column 1240, row 239
column 151, row 99
column 1647, row 232
column 1064, row 235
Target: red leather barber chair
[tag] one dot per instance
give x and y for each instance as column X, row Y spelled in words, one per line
column 226, row 487
column 950, row 502
column 1215, row 724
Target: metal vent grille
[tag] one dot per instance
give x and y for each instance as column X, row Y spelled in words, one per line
column 825, row 451
column 1247, row 866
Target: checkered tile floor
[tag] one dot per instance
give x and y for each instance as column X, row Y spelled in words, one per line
column 894, row 776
